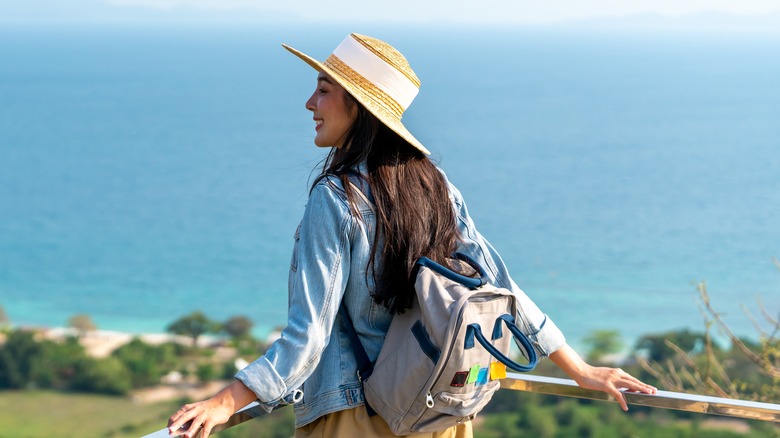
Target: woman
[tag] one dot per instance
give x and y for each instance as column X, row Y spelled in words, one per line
column 358, row 246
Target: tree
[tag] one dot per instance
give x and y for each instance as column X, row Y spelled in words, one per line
column 82, row 322
column 658, row 350
column 193, row 325
column 237, row 327
column 205, row 372
column 27, row 362
column 146, row 363
column 18, row 357
column 536, row 421
column 104, row 376
column 602, row 343
column 59, row 363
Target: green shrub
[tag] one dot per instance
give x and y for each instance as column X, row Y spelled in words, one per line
column 147, row 363
column 103, row 376
column 205, row 372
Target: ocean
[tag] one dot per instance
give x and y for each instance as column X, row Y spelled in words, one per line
column 150, row 171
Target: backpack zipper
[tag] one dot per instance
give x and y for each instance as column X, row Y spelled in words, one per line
column 428, row 399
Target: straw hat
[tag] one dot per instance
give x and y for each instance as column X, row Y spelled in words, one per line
column 375, row 74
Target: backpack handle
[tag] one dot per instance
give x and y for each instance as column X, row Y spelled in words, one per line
column 475, row 331
column 469, row 282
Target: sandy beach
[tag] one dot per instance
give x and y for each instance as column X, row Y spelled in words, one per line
column 100, row 343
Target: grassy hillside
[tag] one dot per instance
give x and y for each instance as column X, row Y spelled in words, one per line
column 32, row 414
column 46, row 414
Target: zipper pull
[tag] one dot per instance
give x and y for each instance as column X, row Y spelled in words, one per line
column 429, row 400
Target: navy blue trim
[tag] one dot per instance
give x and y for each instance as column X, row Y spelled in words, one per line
column 474, row 331
column 469, row 342
column 365, row 366
column 497, row 332
column 471, row 283
column 473, row 263
column 425, row 342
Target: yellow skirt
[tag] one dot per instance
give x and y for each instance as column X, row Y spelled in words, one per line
column 356, row 423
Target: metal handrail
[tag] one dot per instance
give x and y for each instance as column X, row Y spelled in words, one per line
column 661, row 399
column 568, row 388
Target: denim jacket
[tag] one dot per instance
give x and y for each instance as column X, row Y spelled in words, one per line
column 312, row 364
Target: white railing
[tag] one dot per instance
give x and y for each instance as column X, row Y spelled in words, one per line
column 568, row 388
column 662, row 399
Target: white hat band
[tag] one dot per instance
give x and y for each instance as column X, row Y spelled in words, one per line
column 383, row 75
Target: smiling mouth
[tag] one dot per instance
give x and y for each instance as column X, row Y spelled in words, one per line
column 317, row 124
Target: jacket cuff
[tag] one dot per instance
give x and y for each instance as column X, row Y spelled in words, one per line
column 548, row 338
column 262, row 379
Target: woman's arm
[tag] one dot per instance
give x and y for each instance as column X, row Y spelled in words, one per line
column 319, row 274
column 609, row 380
column 211, row 412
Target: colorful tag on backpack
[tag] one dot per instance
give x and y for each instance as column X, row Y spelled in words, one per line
column 460, row 379
column 482, row 377
column 473, row 373
column 497, row 371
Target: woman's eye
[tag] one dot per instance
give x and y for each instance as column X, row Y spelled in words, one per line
column 322, row 91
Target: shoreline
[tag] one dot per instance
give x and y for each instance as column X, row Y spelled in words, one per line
column 101, row 343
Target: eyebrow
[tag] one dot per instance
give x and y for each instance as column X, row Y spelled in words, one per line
column 324, row 78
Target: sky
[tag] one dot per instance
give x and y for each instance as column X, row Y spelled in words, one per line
column 521, row 12
column 530, row 11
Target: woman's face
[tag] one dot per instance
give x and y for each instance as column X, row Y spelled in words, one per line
column 334, row 112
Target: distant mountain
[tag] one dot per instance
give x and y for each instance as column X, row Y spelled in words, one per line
column 710, row 21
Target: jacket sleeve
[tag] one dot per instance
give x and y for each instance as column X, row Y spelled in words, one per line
column 318, row 276
column 541, row 330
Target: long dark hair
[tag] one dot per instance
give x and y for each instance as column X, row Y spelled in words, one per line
column 414, row 215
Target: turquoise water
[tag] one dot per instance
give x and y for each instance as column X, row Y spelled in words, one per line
column 149, row 172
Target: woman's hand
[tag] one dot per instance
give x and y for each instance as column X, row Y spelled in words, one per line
column 211, row 412
column 609, row 380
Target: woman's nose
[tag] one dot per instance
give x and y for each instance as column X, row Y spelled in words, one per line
column 310, row 103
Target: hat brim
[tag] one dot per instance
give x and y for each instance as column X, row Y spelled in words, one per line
column 381, row 113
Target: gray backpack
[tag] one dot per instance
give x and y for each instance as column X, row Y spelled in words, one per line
column 436, row 368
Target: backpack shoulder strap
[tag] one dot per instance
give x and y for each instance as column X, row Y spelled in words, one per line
column 364, row 364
